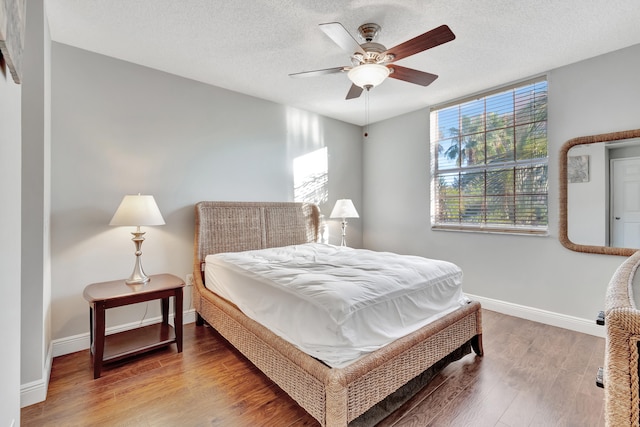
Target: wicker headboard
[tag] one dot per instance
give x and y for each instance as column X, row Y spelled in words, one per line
column 241, row 226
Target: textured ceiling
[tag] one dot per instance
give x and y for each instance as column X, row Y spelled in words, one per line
column 250, row 46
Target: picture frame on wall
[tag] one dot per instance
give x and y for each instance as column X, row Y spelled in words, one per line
column 12, row 27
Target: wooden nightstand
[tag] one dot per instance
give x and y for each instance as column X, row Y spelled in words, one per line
column 113, row 347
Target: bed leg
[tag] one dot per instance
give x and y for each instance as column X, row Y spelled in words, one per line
column 476, row 345
column 199, row 319
column 336, row 403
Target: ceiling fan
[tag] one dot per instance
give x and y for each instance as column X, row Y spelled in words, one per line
column 372, row 63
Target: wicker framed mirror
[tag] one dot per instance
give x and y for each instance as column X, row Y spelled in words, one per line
column 578, row 171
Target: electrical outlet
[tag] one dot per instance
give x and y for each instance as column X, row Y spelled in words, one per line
column 189, row 281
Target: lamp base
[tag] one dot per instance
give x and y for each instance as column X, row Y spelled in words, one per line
column 137, row 276
column 344, row 233
column 137, row 281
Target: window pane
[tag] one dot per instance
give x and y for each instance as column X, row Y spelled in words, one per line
column 449, row 210
column 502, row 210
column 448, row 122
column 531, row 199
column 472, row 183
column 500, row 146
column 500, row 182
column 531, row 180
column 448, row 154
column 531, row 210
column 472, row 114
column 500, row 110
column 472, row 210
column 447, row 181
column 531, row 141
column 447, row 206
column 472, row 150
column 531, row 103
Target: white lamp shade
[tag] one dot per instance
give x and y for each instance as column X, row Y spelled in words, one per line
column 344, row 209
column 368, row 75
column 137, row 210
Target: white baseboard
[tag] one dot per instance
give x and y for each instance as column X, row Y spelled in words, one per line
column 36, row 391
column 585, row 326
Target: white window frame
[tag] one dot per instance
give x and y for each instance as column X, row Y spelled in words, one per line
column 440, row 219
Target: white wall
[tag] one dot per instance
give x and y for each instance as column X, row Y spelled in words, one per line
column 36, row 277
column 10, row 209
column 119, row 128
column 595, row 96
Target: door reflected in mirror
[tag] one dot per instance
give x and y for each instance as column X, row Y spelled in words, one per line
column 600, row 193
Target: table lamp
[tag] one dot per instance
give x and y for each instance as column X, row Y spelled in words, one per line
column 344, row 209
column 137, row 210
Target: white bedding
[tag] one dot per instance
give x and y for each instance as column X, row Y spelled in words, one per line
column 336, row 303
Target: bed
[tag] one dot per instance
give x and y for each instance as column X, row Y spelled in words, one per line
column 333, row 396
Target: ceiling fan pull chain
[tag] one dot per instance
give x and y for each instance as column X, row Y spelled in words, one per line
column 366, row 113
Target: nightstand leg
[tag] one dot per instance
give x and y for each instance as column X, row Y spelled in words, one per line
column 178, row 318
column 99, row 334
column 91, row 330
column 165, row 311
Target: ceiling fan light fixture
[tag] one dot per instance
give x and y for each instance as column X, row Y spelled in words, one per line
column 367, row 76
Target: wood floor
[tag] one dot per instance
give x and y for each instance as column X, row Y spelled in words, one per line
column 531, row 375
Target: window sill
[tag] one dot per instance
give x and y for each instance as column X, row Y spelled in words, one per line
column 491, row 230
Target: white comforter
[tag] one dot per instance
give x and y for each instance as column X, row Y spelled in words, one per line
column 336, row 303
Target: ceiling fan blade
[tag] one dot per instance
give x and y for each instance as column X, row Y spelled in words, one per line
column 433, row 38
column 315, row 73
column 412, row 76
column 341, row 37
column 354, row 92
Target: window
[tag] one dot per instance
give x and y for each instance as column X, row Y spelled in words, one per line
column 489, row 161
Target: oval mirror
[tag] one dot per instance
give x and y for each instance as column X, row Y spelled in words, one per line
column 600, row 193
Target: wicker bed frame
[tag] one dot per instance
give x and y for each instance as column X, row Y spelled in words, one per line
column 333, row 396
